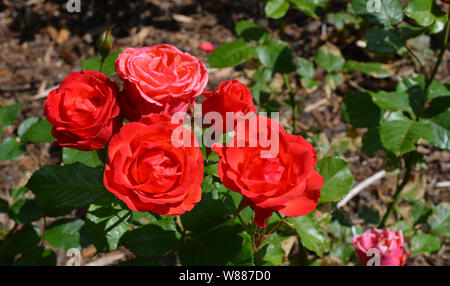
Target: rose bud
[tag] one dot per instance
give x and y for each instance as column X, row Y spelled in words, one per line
column 84, row 110
column 105, row 43
column 387, row 243
column 207, row 47
column 230, row 96
column 159, row 79
column 279, row 176
column 152, row 170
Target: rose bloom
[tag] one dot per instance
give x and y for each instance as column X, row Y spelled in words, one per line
column 388, row 242
column 285, row 182
column 84, row 110
column 150, row 172
column 230, row 96
column 159, row 79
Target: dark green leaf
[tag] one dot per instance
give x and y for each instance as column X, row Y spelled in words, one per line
column 67, row 233
column 439, row 221
column 25, row 211
column 223, row 246
column 392, row 101
column 329, row 58
column 310, row 232
column 371, row 142
column 427, row 14
column 39, row 132
column 399, row 134
column 377, row 70
column 369, row 215
column 422, row 242
column 231, row 54
column 337, row 177
column 380, row 12
column 19, row 242
column 11, row 149
column 276, row 9
column 25, row 125
column 37, row 256
column 277, row 56
column 440, row 126
column 419, row 213
column 390, row 40
column 310, row 7
column 94, row 63
column 271, row 252
column 88, row 158
column 154, row 239
column 106, row 224
column 8, row 114
column 3, row 206
column 249, row 30
column 305, row 68
column 359, row 110
column 68, row 186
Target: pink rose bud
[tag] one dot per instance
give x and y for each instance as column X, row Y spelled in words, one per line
column 207, row 47
column 380, row 247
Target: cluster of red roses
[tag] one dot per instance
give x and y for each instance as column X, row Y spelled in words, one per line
column 145, row 170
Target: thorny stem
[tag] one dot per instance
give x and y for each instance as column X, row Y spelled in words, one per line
column 441, row 54
column 264, row 236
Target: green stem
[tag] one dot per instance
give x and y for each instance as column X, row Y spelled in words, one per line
column 406, row 177
column 293, row 103
column 101, row 64
column 441, row 55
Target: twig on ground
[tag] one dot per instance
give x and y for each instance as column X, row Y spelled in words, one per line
column 361, row 186
column 108, row 259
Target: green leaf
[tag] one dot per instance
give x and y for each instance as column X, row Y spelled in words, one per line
column 106, row 224
column 419, row 212
column 231, row 54
column 19, row 242
column 67, row 233
column 222, row 246
column 439, row 221
column 392, row 101
column 25, row 125
column 88, row 158
column 380, row 12
column 310, row 232
column 399, row 134
column 329, row 58
column 369, row 215
column 207, row 214
column 427, row 14
column 371, row 142
column 337, row 177
column 310, row 7
column 422, row 242
column 94, row 63
column 11, row 149
column 440, row 126
column 276, row 9
column 39, row 132
column 277, row 56
column 249, row 30
column 37, row 256
column 271, row 252
column 305, row 68
column 377, row 70
column 154, row 239
column 437, row 105
column 8, row 114
column 390, row 40
column 68, row 186
column 359, row 110
column 25, row 211
column 3, row 206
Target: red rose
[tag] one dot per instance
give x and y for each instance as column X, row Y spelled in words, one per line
column 149, row 172
column 230, row 96
column 387, row 243
column 84, row 110
column 159, row 79
column 285, row 181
